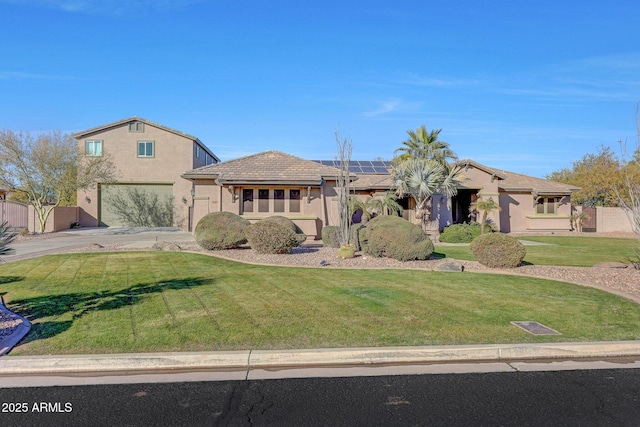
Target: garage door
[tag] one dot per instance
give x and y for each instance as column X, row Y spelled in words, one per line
column 136, row 205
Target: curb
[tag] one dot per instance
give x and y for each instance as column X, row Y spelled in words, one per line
column 247, row 360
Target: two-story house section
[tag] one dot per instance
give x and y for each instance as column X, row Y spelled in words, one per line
column 148, row 190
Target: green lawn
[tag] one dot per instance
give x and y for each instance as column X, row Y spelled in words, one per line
column 164, row 301
column 578, row 251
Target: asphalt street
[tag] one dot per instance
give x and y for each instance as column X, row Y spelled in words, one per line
column 566, row 398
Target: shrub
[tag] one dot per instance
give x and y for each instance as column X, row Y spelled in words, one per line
column 394, row 237
column 497, row 250
column 271, row 237
column 221, row 230
column 300, row 236
column 330, row 236
column 462, row 233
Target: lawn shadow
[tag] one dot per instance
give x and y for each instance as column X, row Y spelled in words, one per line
column 82, row 303
column 10, row 279
column 437, row 255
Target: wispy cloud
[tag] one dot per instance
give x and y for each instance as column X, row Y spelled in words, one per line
column 20, row 75
column 108, row 7
column 435, row 81
column 383, row 108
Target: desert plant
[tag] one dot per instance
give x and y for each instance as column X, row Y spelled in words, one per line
column 577, row 220
column 461, row 233
column 394, row 237
column 355, row 235
column 221, row 230
column 497, row 250
column 300, row 236
column 271, row 237
column 330, row 236
column 485, row 207
column 6, row 237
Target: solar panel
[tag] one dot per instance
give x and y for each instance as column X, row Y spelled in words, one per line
column 361, row 166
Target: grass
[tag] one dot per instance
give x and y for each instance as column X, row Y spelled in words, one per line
column 578, row 251
column 164, row 301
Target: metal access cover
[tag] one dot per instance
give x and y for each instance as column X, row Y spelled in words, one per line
column 535, row 328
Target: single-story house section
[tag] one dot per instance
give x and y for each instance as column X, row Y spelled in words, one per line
column 275, row 183
column 267, row 184
column 148, row 190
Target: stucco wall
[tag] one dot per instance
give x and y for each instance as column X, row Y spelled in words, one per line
column 59, row 219
column 612, row 220
column 173, row 155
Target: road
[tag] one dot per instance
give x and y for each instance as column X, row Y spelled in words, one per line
column 561, row 398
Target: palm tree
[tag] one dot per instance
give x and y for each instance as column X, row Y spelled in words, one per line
column 386, row 205
column 485, row 206
column 6, row 238
column 420, row 179
column 425, row 145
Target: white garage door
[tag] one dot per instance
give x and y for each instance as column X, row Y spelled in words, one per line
column 136, row 205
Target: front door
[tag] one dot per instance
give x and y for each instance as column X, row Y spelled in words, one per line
column 461, row 206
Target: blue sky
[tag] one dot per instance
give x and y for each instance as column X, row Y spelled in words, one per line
column 518, row 85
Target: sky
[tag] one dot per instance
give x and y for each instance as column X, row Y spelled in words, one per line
column 523, row 86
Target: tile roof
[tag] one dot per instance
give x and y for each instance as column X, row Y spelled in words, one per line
column 511, row 181
column 269, row 167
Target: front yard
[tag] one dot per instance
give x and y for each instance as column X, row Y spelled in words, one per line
column 577, row 251
column 164, row 301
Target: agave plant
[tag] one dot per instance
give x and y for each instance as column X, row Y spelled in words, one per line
column 6, row 237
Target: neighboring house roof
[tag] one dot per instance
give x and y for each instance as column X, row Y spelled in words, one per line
column 102, row 128
column 269, row 167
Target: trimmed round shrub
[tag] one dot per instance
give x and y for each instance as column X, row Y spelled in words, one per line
column 394, row 237
column 462, row 233
column 497, row 250
column 221, row 230
column 330, row 236
column 271, row 237
column 300, row 236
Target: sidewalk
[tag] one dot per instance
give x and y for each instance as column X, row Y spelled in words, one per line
column 266, row 364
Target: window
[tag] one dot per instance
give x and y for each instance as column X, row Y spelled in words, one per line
column 93, row 148
column 145, row 149
column 263, row 200
column 278, row 200
column 294, row 201
column 546, row 206
column 136, row 127
column 247, row 200
column 197, row 151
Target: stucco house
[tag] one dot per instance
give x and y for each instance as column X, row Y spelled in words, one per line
column 150, row 159
column 275, row 183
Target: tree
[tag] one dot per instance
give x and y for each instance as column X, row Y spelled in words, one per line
column 386, row 205
column 425, row 145
column 420, row 179
column 47, row 170
column 485, row 207
column 6, row 237
column 597, row 175
column 422, row 169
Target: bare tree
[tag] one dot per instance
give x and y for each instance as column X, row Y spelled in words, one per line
column 343, row 189
column 48, row 169
column 629, row 195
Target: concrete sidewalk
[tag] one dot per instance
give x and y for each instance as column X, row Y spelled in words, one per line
column 246, row 361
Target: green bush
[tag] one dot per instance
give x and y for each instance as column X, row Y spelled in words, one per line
column 394, row 237
column 497, row 250
column 462, row 233
column 330, row 236
column 271, row 237
column 221, row 230
column 300, row 236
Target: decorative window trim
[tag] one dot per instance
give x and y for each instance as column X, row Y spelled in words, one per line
column 145, row 153
column 93, row 152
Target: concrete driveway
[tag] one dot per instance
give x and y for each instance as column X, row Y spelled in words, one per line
column 51, row 243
